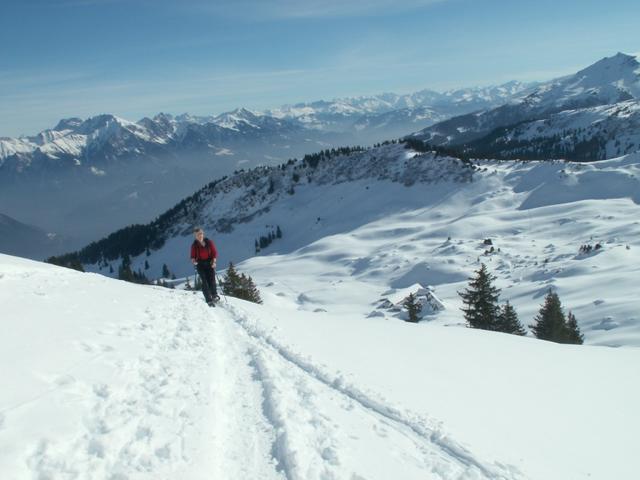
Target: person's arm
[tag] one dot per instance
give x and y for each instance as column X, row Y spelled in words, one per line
column 214, row 252
column 193, row 254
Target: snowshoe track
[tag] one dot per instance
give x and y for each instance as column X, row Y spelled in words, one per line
column 295, row 394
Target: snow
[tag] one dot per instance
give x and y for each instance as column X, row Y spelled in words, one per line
column 389, row 218
column 114, row 380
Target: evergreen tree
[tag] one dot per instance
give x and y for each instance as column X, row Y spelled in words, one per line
column 248, row 289
column 481, row 308
column 165, row 271
column 146, row 265
column 240, row 285
column 550, row 323
column 573, row 331
column 127, row 274
column 231, row 281
column 413, row 308
column 278, row 232
column 508, row 320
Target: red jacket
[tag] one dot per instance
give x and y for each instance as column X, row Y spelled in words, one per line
column 200, row 253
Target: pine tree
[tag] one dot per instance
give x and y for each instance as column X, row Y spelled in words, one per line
column 508, row 320
column 248, row 289
column 240, row 285
column 278, row 232
column 165, row 271
column 231, row 281
column 481, row 301
column 146, row 265
column 573, row 331
column 413, row 308
column 550, row 321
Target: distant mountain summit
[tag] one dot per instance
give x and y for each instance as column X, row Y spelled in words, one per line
column 572, row 117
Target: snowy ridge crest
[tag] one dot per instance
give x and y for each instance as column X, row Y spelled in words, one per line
column 247, row 194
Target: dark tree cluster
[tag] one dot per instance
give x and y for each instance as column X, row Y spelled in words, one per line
column 588, row 248
column 481, row 310
column 313, row 159
column 126, row 273
column 265, row 240
column 576, row 145
column 240, row 286
column 386, row 142
column 551, row 323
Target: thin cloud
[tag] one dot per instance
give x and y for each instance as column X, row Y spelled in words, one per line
column 296, row 9
column 83, row 3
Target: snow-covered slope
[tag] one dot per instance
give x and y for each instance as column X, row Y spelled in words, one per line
column 104, row 379
column 387, row 218
column 594, row 133
column 612, row 81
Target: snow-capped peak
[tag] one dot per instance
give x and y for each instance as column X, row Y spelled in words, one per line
column 609, row 80
column 68, row 124
column 237, row 117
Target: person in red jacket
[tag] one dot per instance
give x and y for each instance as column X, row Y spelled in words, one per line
column 204, row 256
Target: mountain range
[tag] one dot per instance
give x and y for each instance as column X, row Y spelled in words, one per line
column 590, row 115
column 102, row 173
column 98, row 141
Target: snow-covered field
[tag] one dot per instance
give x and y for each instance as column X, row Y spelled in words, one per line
column 348, row 244
column 108, row 380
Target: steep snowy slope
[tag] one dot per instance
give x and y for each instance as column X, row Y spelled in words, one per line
column 594, row 133
column 104, row 379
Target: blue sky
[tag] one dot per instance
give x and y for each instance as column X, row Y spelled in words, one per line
column 62, row 58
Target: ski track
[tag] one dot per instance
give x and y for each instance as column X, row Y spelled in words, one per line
column 309, row 444
column 244, row 438
column 207, row 393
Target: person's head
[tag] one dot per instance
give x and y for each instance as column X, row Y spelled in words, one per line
column 198, row 233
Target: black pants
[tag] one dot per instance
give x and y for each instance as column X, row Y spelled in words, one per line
column 208, row 277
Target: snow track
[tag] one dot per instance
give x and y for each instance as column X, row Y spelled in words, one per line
column 327, row 429
column 146, row 383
